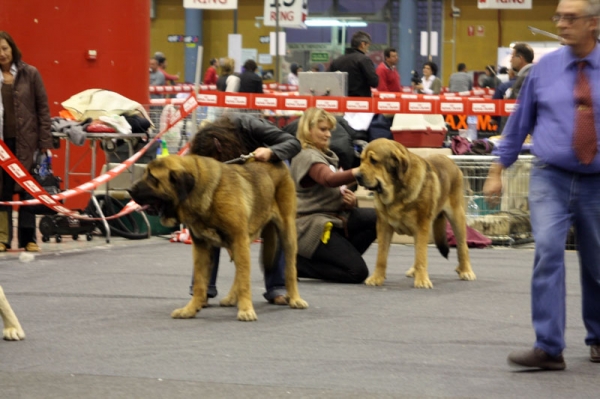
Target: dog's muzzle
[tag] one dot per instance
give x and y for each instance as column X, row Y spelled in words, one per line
column 361, row 181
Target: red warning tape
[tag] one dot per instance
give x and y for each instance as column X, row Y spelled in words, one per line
column 382, row 103
column 21, row 176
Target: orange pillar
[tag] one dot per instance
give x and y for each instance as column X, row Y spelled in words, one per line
column 56, row 36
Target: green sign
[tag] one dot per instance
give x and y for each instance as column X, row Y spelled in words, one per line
column 319, row 57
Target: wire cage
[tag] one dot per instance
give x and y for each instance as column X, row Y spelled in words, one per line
column 182, row 132
column 178, row 135
column 507, row 223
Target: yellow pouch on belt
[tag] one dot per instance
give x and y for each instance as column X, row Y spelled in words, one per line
column 326, row 232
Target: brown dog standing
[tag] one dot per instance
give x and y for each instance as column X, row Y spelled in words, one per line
column 414, row 195
column 225, row 206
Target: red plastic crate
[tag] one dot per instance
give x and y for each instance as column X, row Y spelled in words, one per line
column 420, row 138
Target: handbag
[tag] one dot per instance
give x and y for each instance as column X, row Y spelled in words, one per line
column 460, row 145
column 42, row 172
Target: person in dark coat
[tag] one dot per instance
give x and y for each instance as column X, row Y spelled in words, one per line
column 250, row 82
column 25, row 129
column 360, row 68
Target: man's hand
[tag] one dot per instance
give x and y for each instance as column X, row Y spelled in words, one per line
column 492, row 189
column 263, row 154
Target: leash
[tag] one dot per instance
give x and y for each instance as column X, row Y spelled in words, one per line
column 242, row 159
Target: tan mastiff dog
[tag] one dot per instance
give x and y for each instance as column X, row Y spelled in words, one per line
column 413, row 196
column 12, row 329
column 225, row 206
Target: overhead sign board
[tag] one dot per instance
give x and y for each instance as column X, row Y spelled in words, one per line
column 505, row 4
column 318, row 56
column 292, row 13
column 211, row 4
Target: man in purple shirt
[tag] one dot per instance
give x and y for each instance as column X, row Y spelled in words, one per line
column 563, row 191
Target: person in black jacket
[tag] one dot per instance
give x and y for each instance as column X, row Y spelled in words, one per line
column 229, row 137
column 250, row 82
column 360, row 68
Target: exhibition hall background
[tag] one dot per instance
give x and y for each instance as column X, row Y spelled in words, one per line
column 56, row 37
column 492, row 29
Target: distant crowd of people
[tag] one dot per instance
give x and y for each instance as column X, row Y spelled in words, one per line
column 363, row 75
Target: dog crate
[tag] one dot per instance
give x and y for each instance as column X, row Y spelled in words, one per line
column 419, row 130
column 507, row 223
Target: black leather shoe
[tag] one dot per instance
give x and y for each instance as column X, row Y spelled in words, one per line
column 595, row 353
column 536, row 359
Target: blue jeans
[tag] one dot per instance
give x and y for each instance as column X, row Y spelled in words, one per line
column 557, row 200
column 274, row 278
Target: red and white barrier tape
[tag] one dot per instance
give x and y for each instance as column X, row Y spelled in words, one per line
column 21, row 176
column 383, row 103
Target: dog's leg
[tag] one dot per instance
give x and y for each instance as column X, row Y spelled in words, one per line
column 419, row 269
column 201, row 253
column 458, row 221
column 241, row 281
column 384, row 239
column 289, row 243
column 231, row 299
column 12, row 328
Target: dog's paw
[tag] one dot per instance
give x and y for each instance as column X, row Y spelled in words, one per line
column 375, row 280
column 247, row 315
column 410, row 272
column 13, row 334
column 466, row 275
column 423, row 283
column 298, row 303
column 184, row 313
column 228, row 301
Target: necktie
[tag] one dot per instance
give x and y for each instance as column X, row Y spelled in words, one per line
column 584, row 135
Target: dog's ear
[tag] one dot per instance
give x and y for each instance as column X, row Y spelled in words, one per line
column 398, row 163
column 183, row 183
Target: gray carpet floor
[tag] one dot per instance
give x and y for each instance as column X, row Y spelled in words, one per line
column 98, row 326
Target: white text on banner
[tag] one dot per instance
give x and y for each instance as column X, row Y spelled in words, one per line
column 505, row 4
column 211, row 4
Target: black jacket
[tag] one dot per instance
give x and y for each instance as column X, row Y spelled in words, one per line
column 250, row 83
column 256, row 132
column 361, row 72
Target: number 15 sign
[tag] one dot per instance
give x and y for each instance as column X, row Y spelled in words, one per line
column 292, row 13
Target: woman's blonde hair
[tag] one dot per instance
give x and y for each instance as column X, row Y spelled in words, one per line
column 227, row 66
column 310, row 118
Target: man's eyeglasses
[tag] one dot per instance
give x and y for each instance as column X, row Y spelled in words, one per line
column 568, row 18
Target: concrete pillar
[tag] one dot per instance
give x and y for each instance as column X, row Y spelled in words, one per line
column 408, row 38
column 193, row 27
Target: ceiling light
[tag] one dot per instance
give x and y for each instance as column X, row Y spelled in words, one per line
column 333, row 22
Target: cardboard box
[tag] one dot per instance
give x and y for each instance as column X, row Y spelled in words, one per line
column 323, row 84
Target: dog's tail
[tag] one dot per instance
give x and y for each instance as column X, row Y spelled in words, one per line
column 439, row 235
column 270, row 238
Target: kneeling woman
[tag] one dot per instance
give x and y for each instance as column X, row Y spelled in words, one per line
column 332, row 232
